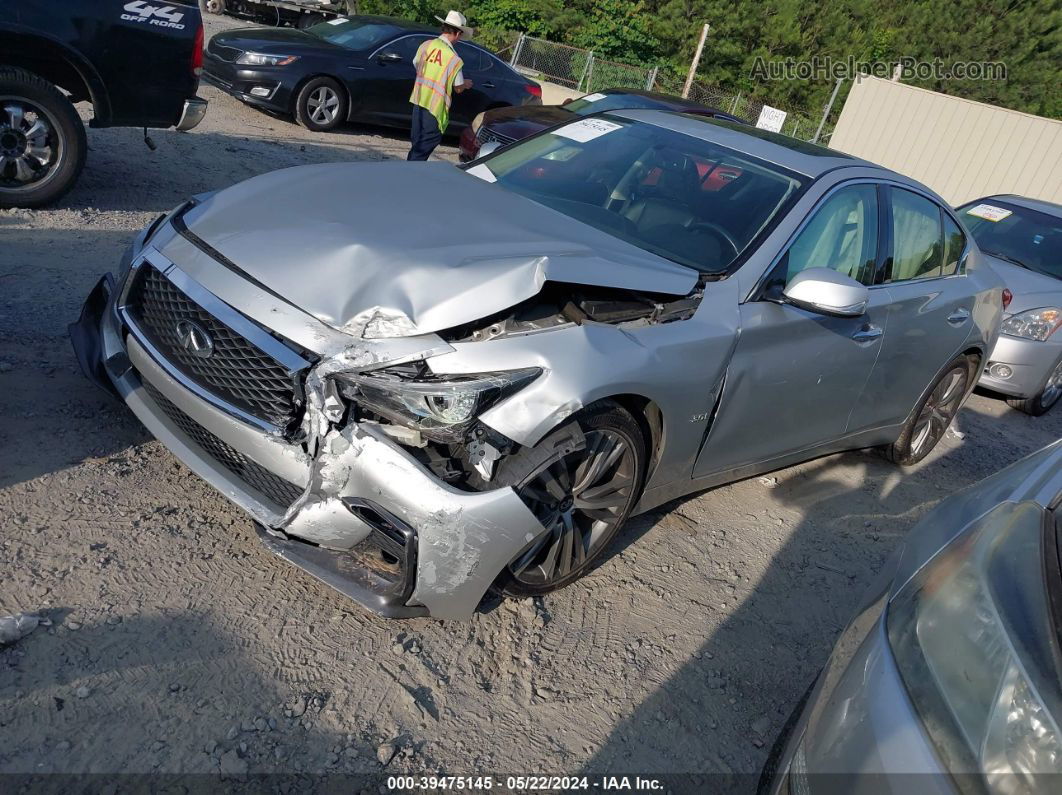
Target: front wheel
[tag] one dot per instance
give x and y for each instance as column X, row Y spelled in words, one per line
column 321, row 104
column 581, row 482
column 42, row 140
column 1042, row 403
column 934, row 414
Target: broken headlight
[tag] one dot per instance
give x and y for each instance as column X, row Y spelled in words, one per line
column 440, row 408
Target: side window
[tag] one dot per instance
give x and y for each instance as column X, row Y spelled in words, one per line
column 473, row 58
column 405, row 47
column 916, row 237
column 954, row 243
column 842, row 235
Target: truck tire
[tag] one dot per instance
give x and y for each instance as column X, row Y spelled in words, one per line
column 42, row 140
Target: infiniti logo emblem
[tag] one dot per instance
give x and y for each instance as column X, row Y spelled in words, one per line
column 194, row 338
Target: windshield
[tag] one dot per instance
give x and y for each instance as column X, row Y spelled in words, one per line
column 1026, row 237
column 354, row 34
column 683, row 198
column 595, row 103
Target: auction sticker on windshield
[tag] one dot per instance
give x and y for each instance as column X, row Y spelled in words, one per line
column 989, row 212
column 593, row 97
column 587, row 129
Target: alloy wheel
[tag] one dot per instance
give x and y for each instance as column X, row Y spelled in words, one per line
column 29, row 146
column 939, row 410
column 580, row 499
column 1053, row 390
column 322, row 105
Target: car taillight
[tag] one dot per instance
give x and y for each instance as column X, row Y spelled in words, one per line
column 197, row 53
column 534, row 90
column 1008, row 296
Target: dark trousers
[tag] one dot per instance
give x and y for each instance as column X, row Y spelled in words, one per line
column 424, row 134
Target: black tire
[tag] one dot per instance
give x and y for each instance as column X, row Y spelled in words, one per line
column 1039, row 405
column 326, row 115
column 598, row 457
column 43, row 165
column 934, row 413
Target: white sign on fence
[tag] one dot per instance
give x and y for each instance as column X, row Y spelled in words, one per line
column 771, row 119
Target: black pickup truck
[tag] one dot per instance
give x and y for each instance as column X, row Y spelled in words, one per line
column 137, row 62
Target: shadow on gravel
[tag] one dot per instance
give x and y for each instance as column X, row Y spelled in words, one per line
column 123, row 174
column 760, row 650
column 173, row 696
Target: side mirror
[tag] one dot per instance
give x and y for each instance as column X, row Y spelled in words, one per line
column 827, row 292
column 389, row 57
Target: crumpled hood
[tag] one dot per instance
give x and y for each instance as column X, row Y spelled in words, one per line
column 396, row 249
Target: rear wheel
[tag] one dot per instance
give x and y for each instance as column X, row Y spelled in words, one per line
column 934, row 414
column 581, row 482
column 321, row 104
column 42, row 140
column 1041, row 404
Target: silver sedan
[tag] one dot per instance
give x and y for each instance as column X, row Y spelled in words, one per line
column 1022, row 241
column 423, row 381
column 947, row 680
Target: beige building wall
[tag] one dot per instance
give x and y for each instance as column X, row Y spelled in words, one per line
column 961, row 149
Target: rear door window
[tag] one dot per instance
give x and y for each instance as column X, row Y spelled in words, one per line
column 917, row 237
column 954, row 245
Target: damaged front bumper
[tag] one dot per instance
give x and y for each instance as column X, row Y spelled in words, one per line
column 360, row 513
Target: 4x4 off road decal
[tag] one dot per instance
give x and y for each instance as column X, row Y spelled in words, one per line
column 161, row 16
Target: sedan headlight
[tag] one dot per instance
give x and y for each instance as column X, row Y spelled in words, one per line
column 441, row 409
column 1036, row 324
column 973, row 636
column 263, row 59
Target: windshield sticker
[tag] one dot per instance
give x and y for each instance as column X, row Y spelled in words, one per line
column 587, row 129
column 593, row 97
column 482, row 172
column 989, row 212
column 337, row 21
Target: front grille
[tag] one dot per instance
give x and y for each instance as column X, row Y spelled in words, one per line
column 237, row 371
column 272, row 487
column 487, row 136
column 223, row 53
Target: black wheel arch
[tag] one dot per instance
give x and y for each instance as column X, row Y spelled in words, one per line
column 59, row 65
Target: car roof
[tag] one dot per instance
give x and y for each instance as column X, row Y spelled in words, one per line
column 802, row 157
column 1046, row 207
column 407, row 26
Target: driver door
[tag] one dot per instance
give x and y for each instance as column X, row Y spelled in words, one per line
column 388, row 79
column 796, row 376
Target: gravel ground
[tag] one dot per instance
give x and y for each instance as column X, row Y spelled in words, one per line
column 179, row 645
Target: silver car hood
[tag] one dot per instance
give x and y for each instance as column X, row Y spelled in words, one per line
column 1031, row 290
column 396, row 249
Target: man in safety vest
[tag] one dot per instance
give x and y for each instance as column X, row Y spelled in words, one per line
column 438, row 77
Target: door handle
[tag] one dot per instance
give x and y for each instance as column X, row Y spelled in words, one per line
column 488, row 85
column 959, row 316
column 867, row 334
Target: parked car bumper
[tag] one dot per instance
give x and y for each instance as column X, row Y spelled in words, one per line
column 265, row 88
column 387, row 533
column 1029, row 362
column 194, row 111
column 858, row 731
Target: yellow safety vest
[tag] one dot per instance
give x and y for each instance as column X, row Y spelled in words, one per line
column 437, row 67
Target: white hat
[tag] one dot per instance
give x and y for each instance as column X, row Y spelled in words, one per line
column 456, row 19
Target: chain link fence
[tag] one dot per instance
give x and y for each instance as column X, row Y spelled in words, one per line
column 580, row 70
